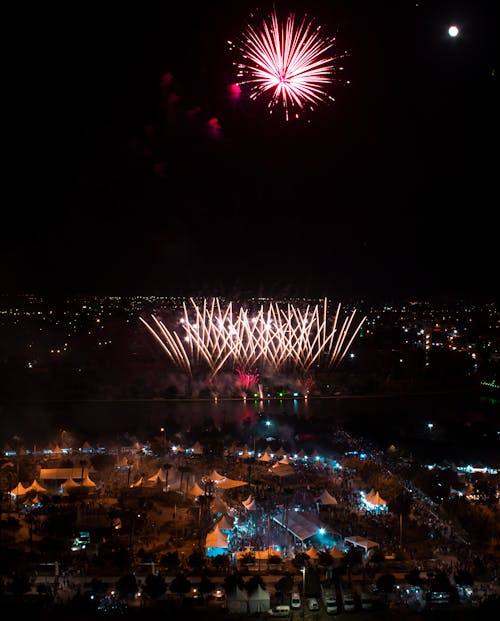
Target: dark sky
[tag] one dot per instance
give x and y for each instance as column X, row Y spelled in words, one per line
column 121, row 187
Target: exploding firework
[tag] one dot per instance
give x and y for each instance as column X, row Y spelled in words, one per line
column 247, row 378
column 277, row 337
column 288, row 63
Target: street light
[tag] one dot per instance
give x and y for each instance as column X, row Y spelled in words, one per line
column 303, row 571
column 162, row 429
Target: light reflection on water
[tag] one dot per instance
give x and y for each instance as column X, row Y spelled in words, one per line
column 384, row 420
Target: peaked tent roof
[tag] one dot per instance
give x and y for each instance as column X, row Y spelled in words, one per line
column 35, row 486
column 265, row 457
column 312, row 552
column 216, row 476
column 216, row 539
column 375, row 498
column 226, row 523
column 326, row 499
column 69, row 483
column 226, row 483
column 19, row 490
column 195, row 490
column 87, row 482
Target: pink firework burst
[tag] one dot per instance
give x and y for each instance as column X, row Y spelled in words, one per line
column 289, row 63
column 247, row 378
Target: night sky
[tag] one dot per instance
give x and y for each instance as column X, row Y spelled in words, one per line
column 122, row 185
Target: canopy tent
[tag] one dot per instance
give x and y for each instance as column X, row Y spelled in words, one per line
column 249, row 504
column 361, row 542
column 69, row 484
column 218, row 505
column 226, row 523
column 216, row 542
column 336, row 553
column 227, row 483
column 284, row 460
column 216, row 476
column 263, row 555
column 87, row 482
column 237, row 600
column 374, row 501
column 62, row 474
column 301, row 525
column 374, row 498
column 36, row 487
column 138, row 483
column 158, row 477
column 312, row 553
column 281, row 470
column 19, row 490
column 216, row 538
column 265, row 457
column 197, row 449
column 301, row 454
column 86, row 448
column 259, row 600
column 326, row 499
column 195, row 490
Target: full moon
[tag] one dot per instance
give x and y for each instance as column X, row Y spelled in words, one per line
column 453, row 31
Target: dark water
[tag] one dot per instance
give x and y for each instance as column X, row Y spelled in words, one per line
column 465, row 426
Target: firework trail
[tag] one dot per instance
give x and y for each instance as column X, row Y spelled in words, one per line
column 221, row 337
column 288, row 63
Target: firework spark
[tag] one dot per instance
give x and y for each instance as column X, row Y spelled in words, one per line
column 221, row 337
column 289, row 63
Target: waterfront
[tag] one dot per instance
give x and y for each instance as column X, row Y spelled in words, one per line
column 464, row 426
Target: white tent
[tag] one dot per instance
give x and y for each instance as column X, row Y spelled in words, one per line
column 326, row 499
column 281, row 470
column 19, row 490
column 197, row 449
column 249, row 504
column 227, row 483
column 158, row 477
column 259, row 600
column 216, row 539
column 35, row 486
column 226, row 523
column 195, row 490
column 69, row 484
column 87, row 482
column 237, row 600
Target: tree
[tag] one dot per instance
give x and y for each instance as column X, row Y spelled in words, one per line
column 155, row 585
column 414, row 578
column 284, row 585
column 206, row 586
column 196, row 560
column 126, row 585
column 385, row 584
column 254, row 582
column 171, row 561
column 231, row 581
column 180, row 584
column 464, row 578
column 20, row 584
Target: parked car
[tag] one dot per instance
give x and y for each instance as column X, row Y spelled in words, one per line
column 279, row 611
column 295, row 600
column 312, row 603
